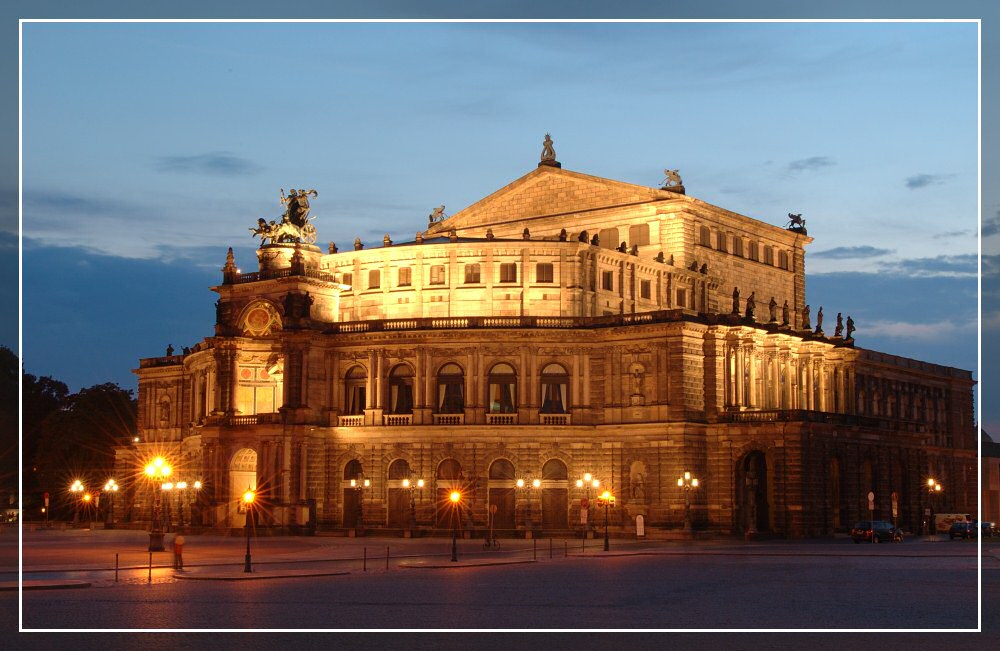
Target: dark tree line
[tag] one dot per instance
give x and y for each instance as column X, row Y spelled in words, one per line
column 64, row 436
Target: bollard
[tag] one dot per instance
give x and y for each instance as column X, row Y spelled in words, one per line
column 364, row 559
column 550, row 548
column 116, row 567
column 387, row 557
column 566, row 549
column 534, row 550
column 149, row 579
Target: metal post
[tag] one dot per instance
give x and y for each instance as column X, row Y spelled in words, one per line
column 116, row 567
column 246, row 561
column 149, row 578
column 534, row 550
column 387, row 557
column 364, row 559
column 607, row 504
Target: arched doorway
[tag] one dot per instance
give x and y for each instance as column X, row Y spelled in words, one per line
column 449, row 478
column 242, row 476
column 400, row 515
column 353, row 516
column 555, row 505
column 751, row 482
column 501, row 494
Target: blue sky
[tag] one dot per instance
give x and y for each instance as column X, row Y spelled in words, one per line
column 150, row 148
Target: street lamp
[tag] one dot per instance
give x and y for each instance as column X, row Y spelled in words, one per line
column 525, row 487
column 609, row 501
column 359, row 485
column 410, row 485
column 181, row 486
column 157, row 471
column 196, row 503
column 168, row 487
column 87, row 497
column 248, row 500
column 456, row 515
column 111, row 487
column 587, row 482
column 933, row 488
column 76, row 487
column 687, row 483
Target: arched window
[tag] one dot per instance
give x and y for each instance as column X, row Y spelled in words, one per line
column 449, row 470
column 352, row 470
column 400, row 390
column 502, row 398
column 502, row 469
column 354, row 394
column 399, row 469
column 451, row 389
column 554, row 470
column 554, row 385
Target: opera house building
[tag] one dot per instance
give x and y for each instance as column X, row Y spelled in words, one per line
column 565, row 336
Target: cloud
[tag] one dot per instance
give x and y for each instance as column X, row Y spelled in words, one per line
column 923, row 180
column 942, row 265
column 849, row 252
column 950, row 234
column 991, row 226
column 809, row 164
column 918, row 332
column 215, row 163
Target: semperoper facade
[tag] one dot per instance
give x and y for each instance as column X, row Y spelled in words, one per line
column 564, row 325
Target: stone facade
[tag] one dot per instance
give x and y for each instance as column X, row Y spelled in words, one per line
column 564, row 325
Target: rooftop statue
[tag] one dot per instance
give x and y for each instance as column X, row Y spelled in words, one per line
column 548, row 151
column 436, row 215
column 294, row 225
column 796, row 223
column 673, row 179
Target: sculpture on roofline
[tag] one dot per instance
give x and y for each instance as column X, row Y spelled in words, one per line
column 673, row 179
column 436, row 215
column 294, row 225
column 548, row 151
column 796, row 223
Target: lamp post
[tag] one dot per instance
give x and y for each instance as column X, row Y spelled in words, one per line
column 687, row 483
column 75, row 488
column 586, row 482
column 181, row 487
column 609, row 501
column 411, row 485
column 456, row 515
column 157, row 471
column 110, row 487
column 87, row 497
column 169, row 488
column 248, row 500
column 526, row 487
column 196, row 502
column 933, row 488
column 359, row 484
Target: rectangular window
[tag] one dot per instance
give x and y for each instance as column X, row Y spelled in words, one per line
column 645, row 289
column 543, row 272
column 783, row 259
column 638, row 235
column 738, row 246
column 720, row 241
column 405, row 277
column 681, row 298
column 472, row 274
column 608, row 280
column 437, row 274
column 508, row 272
column 706, row 236
column 768, row 255
column 347, row 279
column 608, row 238
column 374, row 279
column 753, row 251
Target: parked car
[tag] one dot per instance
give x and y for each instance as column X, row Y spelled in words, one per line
column 989, row 529
column 883, row 532
column 962, row 529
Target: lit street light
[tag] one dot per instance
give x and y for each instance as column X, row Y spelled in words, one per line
column 248, row 500
column 456, row 516
column 412, row 485
column 157, row 471
column 111, row 487
column 76, row 487
column 527, row 488
column 608, row 500
column 587, row 482
column 933, row 488
column 687, row 483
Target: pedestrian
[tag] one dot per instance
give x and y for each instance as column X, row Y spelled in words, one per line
column 179, row 552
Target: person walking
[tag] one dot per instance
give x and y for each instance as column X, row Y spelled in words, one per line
column 179, row 552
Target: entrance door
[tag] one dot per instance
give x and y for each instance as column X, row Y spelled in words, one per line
column 352, row 507
column 503, row 498
column 554, row 509
column 399, row 508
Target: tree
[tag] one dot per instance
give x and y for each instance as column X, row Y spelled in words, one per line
column 78, row 440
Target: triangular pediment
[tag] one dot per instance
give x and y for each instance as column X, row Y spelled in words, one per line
column 549, row 191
